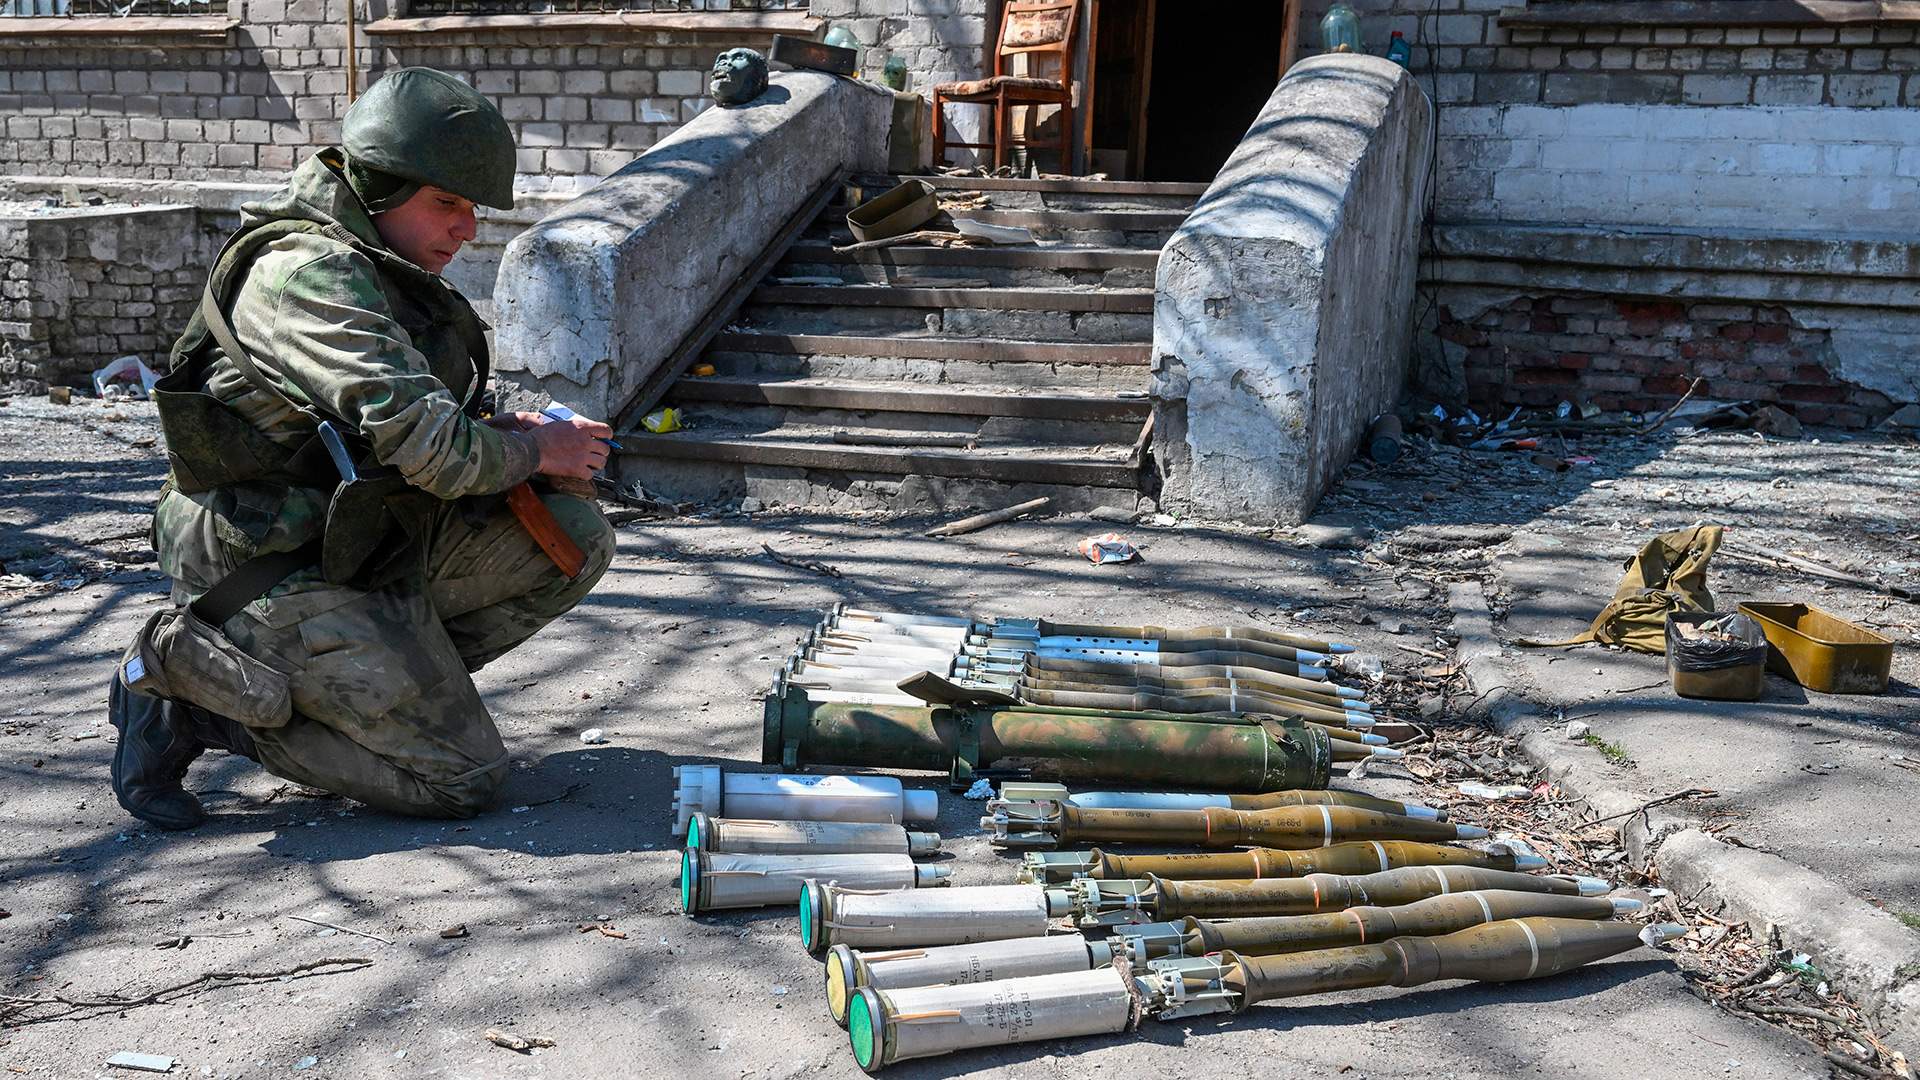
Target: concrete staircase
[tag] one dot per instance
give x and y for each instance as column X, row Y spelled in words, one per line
column 931, row 378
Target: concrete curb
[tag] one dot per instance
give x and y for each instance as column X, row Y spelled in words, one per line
column 1862, row 949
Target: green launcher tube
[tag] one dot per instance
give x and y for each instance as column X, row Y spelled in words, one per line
column 1218, row 753
column 1504, row 951
column 1048, row 824
column 1117, row 903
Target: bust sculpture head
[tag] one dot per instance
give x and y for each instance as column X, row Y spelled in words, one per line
column 739, row 76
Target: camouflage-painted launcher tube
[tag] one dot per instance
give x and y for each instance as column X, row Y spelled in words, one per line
column 1224, row 702
column 1504, row 951
column 1049, row 667
column 1223, row 753
column 1361, row 857
column 1116, row 903
column 1289, row 827
column 1323, row 698
column 1369, row 924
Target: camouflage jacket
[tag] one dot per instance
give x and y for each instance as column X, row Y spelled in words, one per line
column 335, row 333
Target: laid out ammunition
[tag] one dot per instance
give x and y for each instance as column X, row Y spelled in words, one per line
column 830, row 915
column 1360, row 925
column 1091, row 674
column 842, row 615
column 1092, row 902
column 1229, row 753
column 1312, row 678
column 749, row 837
column 1022, row 791
column 1046, row 824
column 1226, row 701
column 886, row 1026
column 1503, row 951
column 984, row 961
column 705, row 789
column 718, row 880
column 1355, row 857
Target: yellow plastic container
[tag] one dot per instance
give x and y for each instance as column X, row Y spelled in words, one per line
column 1723, row 679
column 1822, row 651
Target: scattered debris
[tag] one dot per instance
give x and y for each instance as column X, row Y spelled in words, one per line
column 457, row 930
column 801, row 564
column 593, row 736
column 126, row 373
column 20, row 1011
column 341, row 929
column 992, row 517
column 521, row 1044
column 60, row 395
column 1489, row 791
column 1108, row 548
column 127, row 1059
column 980, row 789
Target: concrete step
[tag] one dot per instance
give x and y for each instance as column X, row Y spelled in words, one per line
column 972, row 401
column 1147, row 229
column 931, row 360
column 1049, row 266
column 1053, row 315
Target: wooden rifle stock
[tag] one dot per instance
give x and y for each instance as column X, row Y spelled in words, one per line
column 545, row 529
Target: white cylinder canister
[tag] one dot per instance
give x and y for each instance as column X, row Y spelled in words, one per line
column 887, row 1026
column 706, row 789
column 750, row 837
column 831, row 915
column 936, row 965
column 719, row 880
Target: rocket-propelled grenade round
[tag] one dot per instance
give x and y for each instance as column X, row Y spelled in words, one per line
column 1357, row 857
column 862, row 919
column 1153, row 800
column 1365, row 925
column 1046, row 824
column 984, row 961
column 885, row 1026
column 1504, row 951
column 749, row 837
column 1114, row 903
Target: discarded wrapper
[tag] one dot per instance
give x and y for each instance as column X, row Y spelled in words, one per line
column 662, row 421
column 1108, row 547
column 129, row 369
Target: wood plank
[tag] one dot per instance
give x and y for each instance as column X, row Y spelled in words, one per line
column 946, row 400
column 1134, row 301
column 752, row 25
column 885, row 460
column 1034, row 258
column 654, row 387
column 977, row 350
column 1709, row 12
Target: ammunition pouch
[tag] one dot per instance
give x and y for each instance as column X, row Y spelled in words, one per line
column 377, row 527
column 180, row 654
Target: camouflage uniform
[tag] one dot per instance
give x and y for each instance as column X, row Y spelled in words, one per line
column 384, row 710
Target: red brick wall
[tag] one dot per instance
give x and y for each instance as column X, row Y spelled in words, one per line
column 1640, row 354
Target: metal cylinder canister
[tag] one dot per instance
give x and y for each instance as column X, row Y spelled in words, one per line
column 863, row 919
column 719, row 880
column 709, row 790
column 938, row 965
column 750, row 837
column 888, row 1026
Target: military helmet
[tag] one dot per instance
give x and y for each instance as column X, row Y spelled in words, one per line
column 429, row 127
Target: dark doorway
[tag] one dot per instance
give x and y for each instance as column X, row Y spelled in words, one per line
column 1215, row 62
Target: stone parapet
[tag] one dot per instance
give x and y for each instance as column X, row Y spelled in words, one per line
column 1283, row 306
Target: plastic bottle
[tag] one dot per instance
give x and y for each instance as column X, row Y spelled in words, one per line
column 1400, row 53
column 1340, row 29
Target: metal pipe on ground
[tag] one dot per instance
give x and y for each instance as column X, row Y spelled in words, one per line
column 1048, row 824
column 1360, row 857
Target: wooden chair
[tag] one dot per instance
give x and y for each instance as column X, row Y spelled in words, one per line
column 1042, row 31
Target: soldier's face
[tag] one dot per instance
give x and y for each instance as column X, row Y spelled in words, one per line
column 429, row 229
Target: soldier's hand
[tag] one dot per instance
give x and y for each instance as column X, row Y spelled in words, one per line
column 572, row 448
column 517, row 421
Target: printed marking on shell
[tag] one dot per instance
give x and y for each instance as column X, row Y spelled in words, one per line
column 1533, row 947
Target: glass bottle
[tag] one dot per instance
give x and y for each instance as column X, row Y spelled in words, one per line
column 1340, row 29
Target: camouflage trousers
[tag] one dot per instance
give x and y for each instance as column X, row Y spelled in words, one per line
column 384, row 710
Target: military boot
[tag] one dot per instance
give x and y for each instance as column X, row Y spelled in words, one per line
column 157, row 743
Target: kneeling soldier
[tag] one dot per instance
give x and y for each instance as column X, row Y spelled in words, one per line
column 336, row 592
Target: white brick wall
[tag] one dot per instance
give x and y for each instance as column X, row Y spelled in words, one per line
column 1777, row 168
